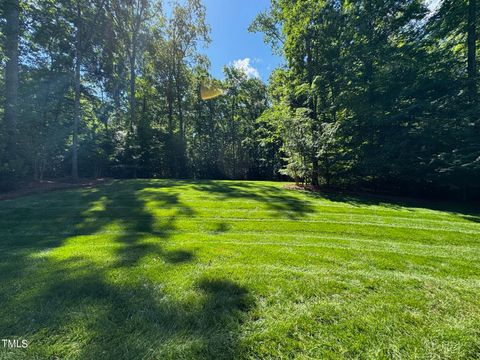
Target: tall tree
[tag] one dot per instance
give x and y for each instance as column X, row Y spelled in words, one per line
column 472, row 49
column 186, row 29
column 131, row 18
column 12, row 35
column 77, row 109
column 86, row 16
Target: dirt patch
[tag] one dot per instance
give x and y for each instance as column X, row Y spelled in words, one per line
column 302, row 187
column 47, row 186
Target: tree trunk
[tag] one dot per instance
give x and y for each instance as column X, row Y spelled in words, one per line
column 170, row 160
column 180, row 114
column 43, row 164
column 315, row 140
column 314, row 116
column 35, row 168
column 170, row 105
column 472, row 50
column 116, row 91
column 132, row 89
column 12, row 34
column 179, row 104
column 234, row 140
column 181, row 124
column 77, row 110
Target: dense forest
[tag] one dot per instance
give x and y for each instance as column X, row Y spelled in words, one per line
column 373, row 94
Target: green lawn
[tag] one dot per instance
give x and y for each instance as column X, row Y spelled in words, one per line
column 218, row 269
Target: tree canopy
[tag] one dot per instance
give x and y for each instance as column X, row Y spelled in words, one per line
column 381, row 95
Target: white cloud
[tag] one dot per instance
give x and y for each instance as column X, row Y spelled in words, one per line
column 245, row 66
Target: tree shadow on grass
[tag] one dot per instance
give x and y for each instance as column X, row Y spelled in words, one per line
column 274, row 198
column 466, row 211
column 473, row 218
column 72, row 306
column 79, row 313
column 127, row 215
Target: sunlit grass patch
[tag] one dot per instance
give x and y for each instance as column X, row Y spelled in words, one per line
column 218, row 269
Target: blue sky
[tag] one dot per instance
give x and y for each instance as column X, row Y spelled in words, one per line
column 233, row 44
column 231, row 41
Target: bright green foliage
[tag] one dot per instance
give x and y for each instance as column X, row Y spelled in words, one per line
column 140, row 111
column 374, row 93
column 223, row 269
column 377, row 95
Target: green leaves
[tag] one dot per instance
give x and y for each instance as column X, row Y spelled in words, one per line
column 372, row 91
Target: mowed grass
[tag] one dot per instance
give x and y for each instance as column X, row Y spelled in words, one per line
column 222, row 269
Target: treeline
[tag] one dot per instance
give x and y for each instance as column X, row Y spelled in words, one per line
column 377, row 94
column 112, row 88
column 373, row 94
